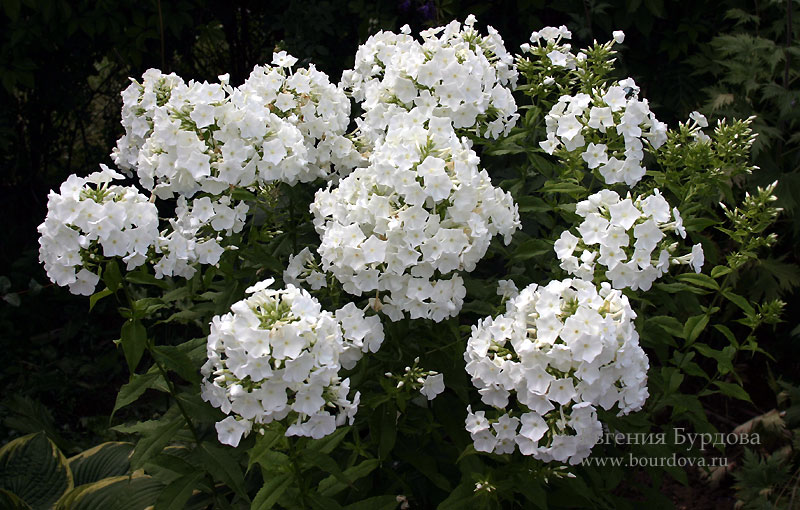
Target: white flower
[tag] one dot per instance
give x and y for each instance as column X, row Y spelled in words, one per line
column 230, row 430
column 432, row 386
column 283, row 59
column 699, row 119
column 697, row 257
column 619, row 36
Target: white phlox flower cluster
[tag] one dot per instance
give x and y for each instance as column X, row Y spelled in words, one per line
column 551, row 38
column 420, row 211
column 547, row 363
column 197, row 234
column 277, row 355
column 630, row 241
column 608, row 129
column 139, row 104
column 182, row 138
column 454, row 73
column 303, row 268
column 207, row 140
column 308, row 100
column 91, row 218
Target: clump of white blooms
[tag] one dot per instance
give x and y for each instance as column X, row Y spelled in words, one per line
column 140, row 101
column 277, row 355
column 308, row 100
column 454, row 73
column 625, row 239
column 182, row 138
column 91, row 219
column 196, row 234
column 421, row 211
column 607, row 127
column 547, row 363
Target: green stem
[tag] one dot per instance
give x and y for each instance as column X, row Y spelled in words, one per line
column 173, row 393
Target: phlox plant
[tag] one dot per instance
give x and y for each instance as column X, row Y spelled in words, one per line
column 351, row 331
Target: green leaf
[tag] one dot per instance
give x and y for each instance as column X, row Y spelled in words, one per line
column 669, row 324
column 177, row 493
column 134, row 341
column 97, row 296
column 426, row 465
column 118, row 493
column 462, row 497
column 739, row 301
column 732, row 390
column 273, row 489
column 533, row 248
column 138, row 384
column 728, row 334
column 724, row 357
column 145, row 278
column 387, row 502
column 177, row 361
column 388, row 430
column 561, row 187
column 694, row 326
column 325, row 463
column 156, row 435
column 260, row 453
column 321, row 502
column 328, row 443
column 105, row 460
column 223, row 467
column 34, row 469
column 11, row 8
column 10, row 501
column 533, row 204
column 699, row 279
column 330, row 486
column 718, row 271
column 112, row 276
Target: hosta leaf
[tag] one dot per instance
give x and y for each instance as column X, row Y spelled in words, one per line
column 103, row 461
column 34, row 470
column 117, row 493
column 10, row 501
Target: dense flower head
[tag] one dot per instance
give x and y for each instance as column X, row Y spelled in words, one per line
column 608, row 129
column 628, row 241
column 183, row 138
column 89, row 219
column 455, row 73
column 307, row 99
column 420, row 211
column 545, row 365
column 277, row 355
column 140, row 101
